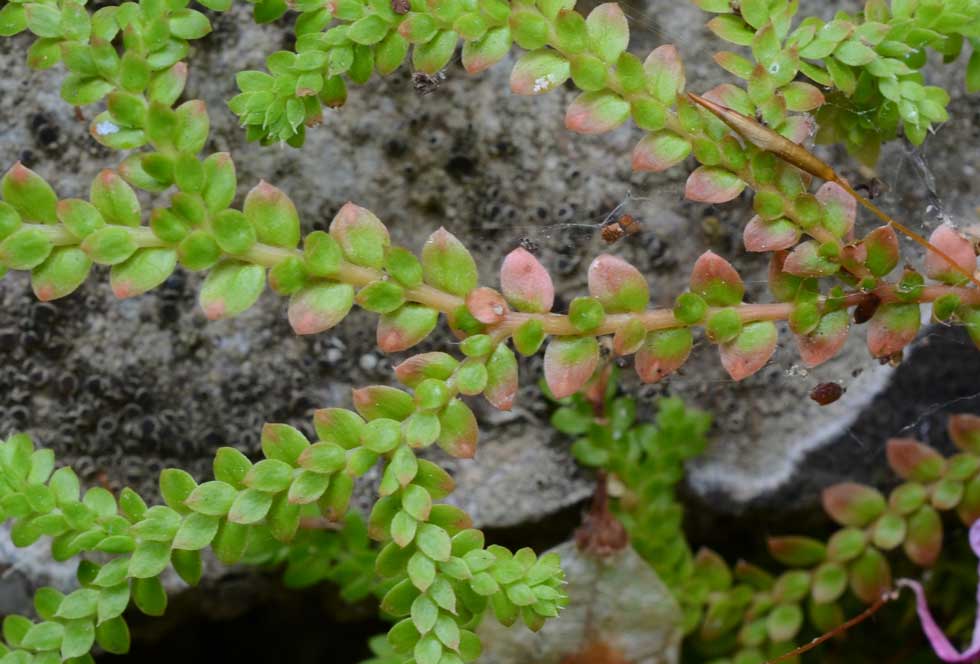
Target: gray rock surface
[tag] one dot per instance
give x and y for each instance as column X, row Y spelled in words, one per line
column 121, row 390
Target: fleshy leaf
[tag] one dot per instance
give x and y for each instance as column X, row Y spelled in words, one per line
column 596, row 112
column 231, row 288
column 892, row 328
column 801, row 96
column 662, row 353
column 568, row 363
column 447, row 264
column 143, row 271
column 115, row 199
column 361, row 235
column 525, row 283
column 273, row 215
column 912, row 460
column 798, row 128
column 659, row 151
column 957, row 247
column 797, row 550
column 405, row 327
column 852, row 504
column 64, row 270
column 840, row 208
column 883, row 251
column 664, row 73
column 608, row 30
column 870, row 575
column 539, row 72
column 458, row 432
column 805, row 261
column 487, row 305
column 502, row 381
column 617, row 285
column 826, row 340
column 750, row 350
column 761, row 235
column 483, row 54
column 964, row 430
column 629, row 338
column 319, row 307
column 29, row 193
column 417, row 368
column 710, row 184
column 731, row 96
column 714, row 279
column 924, row 539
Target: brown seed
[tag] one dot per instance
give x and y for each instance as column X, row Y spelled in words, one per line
column 826, row 393
column 400, row 6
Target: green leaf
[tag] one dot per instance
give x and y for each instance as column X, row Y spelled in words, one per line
column 149, row 559
column 212, row 498
column 29, row 193
column 447, row 265
column 273, row 215
column 231, row 288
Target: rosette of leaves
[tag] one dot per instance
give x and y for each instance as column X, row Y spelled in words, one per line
column 755, row 615
column 871, row 60
column 645, row 462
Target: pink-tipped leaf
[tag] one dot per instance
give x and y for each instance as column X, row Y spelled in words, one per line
column 826, row 340
column 711, row 184
column 714, row 279
column 892, row 328
column 761, row 235
column 946, row 239
column 750, row 351
column 659, row 151
column 568, row 363
column 525, row 283
column 617, row 285
column 663, row 352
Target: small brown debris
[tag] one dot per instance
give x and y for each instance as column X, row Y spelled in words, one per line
column 866, row 308
column 826, row 393
column 530, row 246
column 400, row 6
column 426, row 84
column 616, row 230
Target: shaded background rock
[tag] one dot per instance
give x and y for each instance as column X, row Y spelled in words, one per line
column 122, row 389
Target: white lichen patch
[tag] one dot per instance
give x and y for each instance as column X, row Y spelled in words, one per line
column 542, row 84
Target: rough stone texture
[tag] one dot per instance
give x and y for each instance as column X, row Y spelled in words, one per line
column 121, row 390
column 619, row 611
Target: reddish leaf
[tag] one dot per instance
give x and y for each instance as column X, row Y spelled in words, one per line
column 954, row 245
column 825, row 341
column 405, row 327
column 525, row 283
column 617, row 285
column 319, row 307
column 838, row 205
column 662, row 353
column 714, row 279
column 762, row 235
column 924, row 540
column 797, row 551
column 750, row 350
column 852, row 504
column 629, row 337
column 892, row 328
column 805, row 261
column 659, row 151
column 596, row 113
column 731, row 96
column 710, row 184
column 568, row 363
column 487, row 305
column 458, row 432
column 912, row 460
column 883, row 251
column 665, row 73
column 502, row 380
column 798, row 128
column 964, row 429
column 802, row 96
column 870, row 575
column 417, row 368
